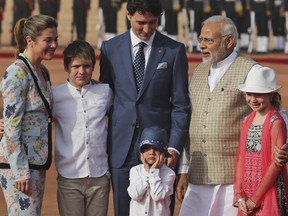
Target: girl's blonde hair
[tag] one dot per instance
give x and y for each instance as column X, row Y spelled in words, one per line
column 32, row 26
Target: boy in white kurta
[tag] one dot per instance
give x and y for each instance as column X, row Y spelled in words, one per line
column 151, row 183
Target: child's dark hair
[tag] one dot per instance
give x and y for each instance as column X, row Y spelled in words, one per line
column 142, row 6
column 32, row 26
column 78, row 49
column 276, row 101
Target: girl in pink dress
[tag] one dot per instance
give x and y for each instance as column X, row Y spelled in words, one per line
column 260, row 185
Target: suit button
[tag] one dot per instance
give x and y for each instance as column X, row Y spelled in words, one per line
column 136, row 125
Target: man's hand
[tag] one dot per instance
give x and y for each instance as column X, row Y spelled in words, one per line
column 94, row 82
column 182, row 186
column 281, row 155
column 172, row 161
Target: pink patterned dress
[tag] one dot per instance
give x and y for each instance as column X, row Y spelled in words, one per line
column 253, row 171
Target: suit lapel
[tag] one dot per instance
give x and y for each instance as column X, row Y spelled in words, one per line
column 126, row 58
column 157, row 51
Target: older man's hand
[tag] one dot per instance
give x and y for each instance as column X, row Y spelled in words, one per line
column 281, row 155
column 182, row 185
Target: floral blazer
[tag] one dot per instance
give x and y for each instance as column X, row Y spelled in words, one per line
column 25, row 137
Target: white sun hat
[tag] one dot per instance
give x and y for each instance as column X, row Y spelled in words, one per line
column 260, row 80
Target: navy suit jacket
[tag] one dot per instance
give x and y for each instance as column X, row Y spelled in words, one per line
column 162, row 100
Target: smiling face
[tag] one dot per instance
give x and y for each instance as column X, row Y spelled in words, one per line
column 45, row 44
column 80, row 72
column 150, row 154
column 259, row 102
column 143, row 25
column 214, row 46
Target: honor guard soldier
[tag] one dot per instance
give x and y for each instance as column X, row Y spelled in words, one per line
column 49, row 7
column 2, row 8
column 262, row 13
column 80, row 12
column 21, row 9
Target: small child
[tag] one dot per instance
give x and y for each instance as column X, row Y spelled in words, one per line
column 260, row 185
column 151, row 183
column 79, row 111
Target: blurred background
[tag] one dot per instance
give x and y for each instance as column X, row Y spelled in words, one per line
column 261, row 24
column 184, row 30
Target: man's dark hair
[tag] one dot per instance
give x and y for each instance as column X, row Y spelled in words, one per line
column 143, row 6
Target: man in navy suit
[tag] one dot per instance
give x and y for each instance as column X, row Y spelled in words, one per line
column 161, row 101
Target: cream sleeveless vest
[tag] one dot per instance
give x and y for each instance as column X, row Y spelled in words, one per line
column 215, row 123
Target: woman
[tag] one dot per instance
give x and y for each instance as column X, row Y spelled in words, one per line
column 24, row 147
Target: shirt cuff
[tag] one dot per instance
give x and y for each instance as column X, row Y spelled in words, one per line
column 183, row 169
column 174, row 150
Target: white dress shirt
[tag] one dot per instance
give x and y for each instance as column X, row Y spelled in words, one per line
column 150, row 192
column 81, row 133
column 135, row 46
column 217, row 70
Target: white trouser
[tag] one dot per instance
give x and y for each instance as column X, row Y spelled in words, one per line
column 208, row 200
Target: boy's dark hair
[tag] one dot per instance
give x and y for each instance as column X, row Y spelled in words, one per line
column 78, row 49
column 142, row 6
